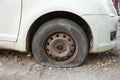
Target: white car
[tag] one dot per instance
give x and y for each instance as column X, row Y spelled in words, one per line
column 58, row 33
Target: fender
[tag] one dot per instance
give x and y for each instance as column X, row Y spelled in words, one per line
column 33, row 9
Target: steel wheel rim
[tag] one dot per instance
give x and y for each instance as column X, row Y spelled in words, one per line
column 60, row 47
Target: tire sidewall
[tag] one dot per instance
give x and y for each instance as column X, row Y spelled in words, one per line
column 54, row 26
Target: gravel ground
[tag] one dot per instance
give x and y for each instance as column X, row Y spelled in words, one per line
column 99, row 66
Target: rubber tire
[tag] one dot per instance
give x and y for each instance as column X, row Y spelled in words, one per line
column 58, row 25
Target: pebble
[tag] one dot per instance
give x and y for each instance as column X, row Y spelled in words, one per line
column 90, row 68
column 12, row 73
column 114, row 61
column 50, row 68
column 65, row 68
column 117, row 64
column 102, row 65
column 99, row 65
column 105, row 69
column 3, row 58
column 70, row 68
column 36, row 65
column 16, row 59
column 29, row 55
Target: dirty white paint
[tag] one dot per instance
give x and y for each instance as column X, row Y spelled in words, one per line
column 22, row 14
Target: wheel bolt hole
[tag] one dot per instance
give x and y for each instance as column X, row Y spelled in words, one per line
column 47, row 49
column 47, row 43
column 64, row 36
column 51, row 38
column 57, row 35
column 69, row 39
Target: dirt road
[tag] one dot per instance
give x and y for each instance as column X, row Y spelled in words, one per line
column 103, row 66
column 100, row 66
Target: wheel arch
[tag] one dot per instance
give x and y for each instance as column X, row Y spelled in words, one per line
column 57, row 14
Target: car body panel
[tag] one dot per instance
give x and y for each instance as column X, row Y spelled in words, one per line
column 100, row 10
column 9, row 19
column 102, row 26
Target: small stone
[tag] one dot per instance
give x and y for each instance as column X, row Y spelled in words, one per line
column 3, row 58
column 65, row 68
column 117, row 64
column 102, row 65
column 70, row 68
column 114, row 61
column 99, row 65
column 29, row 55
column 50, row 68
column 15, row 57
column 37, row 69
column 90, row 68
column 106, row 69
column 12, row 73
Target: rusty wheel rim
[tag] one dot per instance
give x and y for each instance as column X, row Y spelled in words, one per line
column 60, row 47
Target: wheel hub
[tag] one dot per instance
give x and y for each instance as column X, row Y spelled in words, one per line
column 60, row 47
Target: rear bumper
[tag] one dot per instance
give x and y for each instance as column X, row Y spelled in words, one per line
column 102, row 27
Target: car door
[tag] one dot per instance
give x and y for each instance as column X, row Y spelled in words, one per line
column 10, row 11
